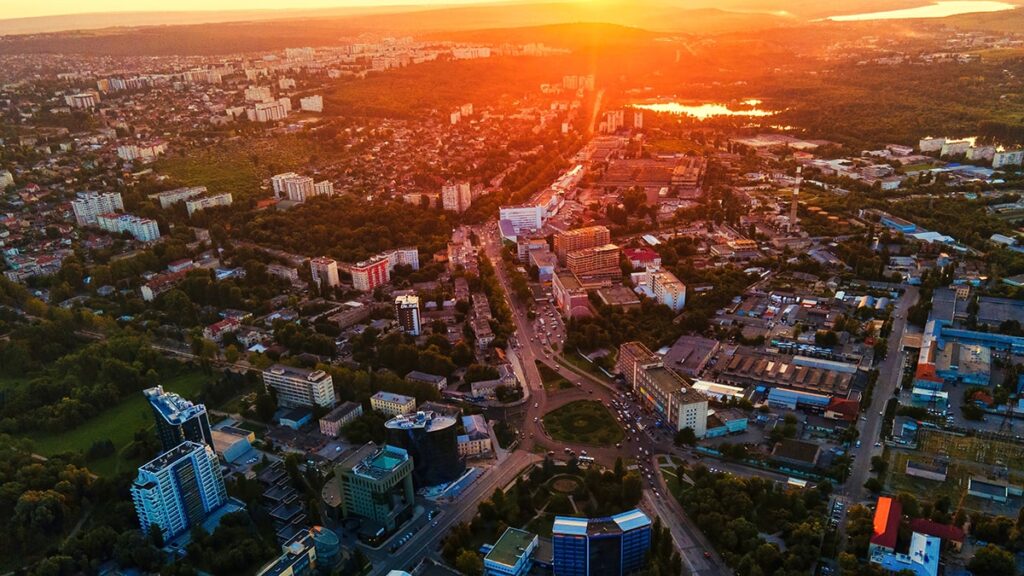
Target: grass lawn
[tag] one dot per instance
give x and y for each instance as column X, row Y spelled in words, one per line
column 583, row 421
column 541, row 524
column 582, row 364
column 117, row 424
column 553, row 381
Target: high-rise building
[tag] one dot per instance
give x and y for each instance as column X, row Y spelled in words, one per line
column 668, row 289
column 172, row 197
column 662, row 389
column 407, row 311
column 89, row 205
column 611, row 546
column 314, row 103
column 178, row 489
column 299, row 386
column 376, row 484
column 456, row 197
column 257, row 93
column 369, row 274
column 599, row 261
column 299, row 188
column 323, row 188
column 579, row 239
column 277, row 183
column 432, row 442
column 520, row 218
column 177, row 419
column 325, row 271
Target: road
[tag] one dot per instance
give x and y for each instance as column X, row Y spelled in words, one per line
column 890, row 372
column 424, row 542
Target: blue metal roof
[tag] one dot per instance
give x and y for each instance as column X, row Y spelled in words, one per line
column 569, row 526
column 631, row 520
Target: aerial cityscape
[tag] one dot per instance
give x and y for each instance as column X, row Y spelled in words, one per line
column 572, row 288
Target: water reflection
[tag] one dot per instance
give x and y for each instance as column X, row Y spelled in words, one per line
column 707, row 110
column 936, row 10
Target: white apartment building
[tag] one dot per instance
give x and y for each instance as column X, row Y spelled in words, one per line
column 83, row 100
column 172, row 197
column 145, row 152
column 257, row 94
column 323, row 188
column 143, row 229
column 286, row 83
column 199, row 204
column 668, row 289
column 269, row 111
column 325, row 271
column 89, row 205
column 1008, row 158
column 313, row 103
column 277, row 183
column 299, row 387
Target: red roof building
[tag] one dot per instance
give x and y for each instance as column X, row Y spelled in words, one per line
column 886, row 524
column 842, row 409
column 642, row 258
column 947, row 532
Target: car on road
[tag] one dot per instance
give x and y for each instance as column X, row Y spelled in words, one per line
column 707, row 554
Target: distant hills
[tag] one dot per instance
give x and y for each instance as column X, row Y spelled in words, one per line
column 165, row 33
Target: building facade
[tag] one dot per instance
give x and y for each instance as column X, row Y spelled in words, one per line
column 611, row 546
column 177, row 419
column 369, row 274
column 391, row 404
column 325, row 271
column 662, row 389
column 376, row 484
column 407, row 312
column 342, row 415
column 88, row 206
column 178, row 489
column 599, row 261
column 299, row 387
column 580, row 239
column 432, row 442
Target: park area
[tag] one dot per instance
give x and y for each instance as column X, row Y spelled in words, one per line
column 583, row 422
column 117, row 424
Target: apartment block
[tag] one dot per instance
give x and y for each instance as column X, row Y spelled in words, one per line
column 299, row 387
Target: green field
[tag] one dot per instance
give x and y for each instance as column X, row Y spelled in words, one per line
column 118, row 424
column 553, row 381
column 583, row 421
column 238, row 166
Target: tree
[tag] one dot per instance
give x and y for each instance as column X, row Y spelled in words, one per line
column 686, row 437
column 469, row 563
column 992, row 561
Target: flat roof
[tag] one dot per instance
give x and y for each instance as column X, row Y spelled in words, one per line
column 392, row 397
column 510, row 547
column 340, row 411
column 631, row 520
column 568, row 525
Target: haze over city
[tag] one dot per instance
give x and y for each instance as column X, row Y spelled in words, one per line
column 559, row 288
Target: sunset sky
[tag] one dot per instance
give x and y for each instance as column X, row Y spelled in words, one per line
column 22, row 9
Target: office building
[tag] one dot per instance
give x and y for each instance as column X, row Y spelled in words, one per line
column 142, row 229
column 376, row 484
column 597, row 262
column 662, row 389
column 512, row 554
column 178, row 489
column 610, row 546
column 369, row 274
column 297, row 387
column 391, row 404
column 407, row 312
column 325, row 272
column 199, row 204
column 477, row 439
column 456, row 197
column 312, row 551
column 342, row 415
column 177, row 419
column 521, row 218
column 432, row 442
column 668, row 290
column 88, row 206
column 579, row 239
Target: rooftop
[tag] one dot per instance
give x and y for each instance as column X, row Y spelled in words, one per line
column 296, row 372
column 887, row 522
column 510, row 547
column 392, row 397
column 172, row 407
column 173, row 455
column 340, row 411
column 373, row 462
column 428, row 421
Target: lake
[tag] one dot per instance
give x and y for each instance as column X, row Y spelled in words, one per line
column 708, row 110
column 936, row 10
